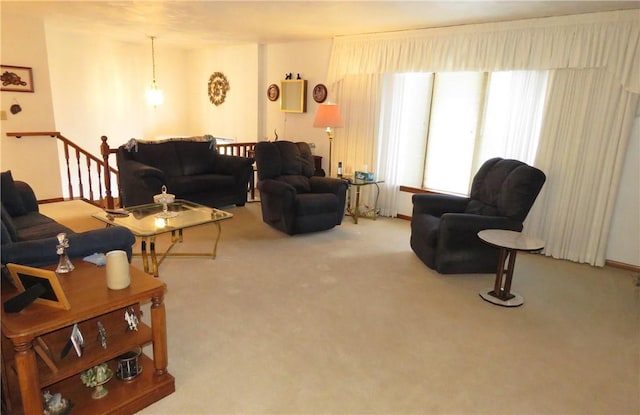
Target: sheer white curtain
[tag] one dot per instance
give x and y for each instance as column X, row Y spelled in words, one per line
column 587, row 122
column 355, row 144
column 403, row 134
column 513, row 116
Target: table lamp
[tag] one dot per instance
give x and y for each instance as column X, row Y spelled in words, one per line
column 328, row 116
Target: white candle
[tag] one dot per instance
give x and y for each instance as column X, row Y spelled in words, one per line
column 118, row 276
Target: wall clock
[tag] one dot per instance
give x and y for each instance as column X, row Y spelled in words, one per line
column 319, row 93
column 218, row 87
column 273, row 92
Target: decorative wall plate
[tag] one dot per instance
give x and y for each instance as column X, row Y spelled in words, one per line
column 273, row 92
column 319, row 93
column 218, row 87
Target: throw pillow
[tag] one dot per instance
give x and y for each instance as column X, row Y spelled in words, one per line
column 11, row 198
column 8, row 225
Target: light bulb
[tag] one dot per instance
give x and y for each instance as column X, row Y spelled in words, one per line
column 155, row 96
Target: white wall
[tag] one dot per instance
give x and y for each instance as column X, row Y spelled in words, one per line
column 99, row 85
column 624, row 237
column 237, row 117
column 310, row 60
column 31, row 159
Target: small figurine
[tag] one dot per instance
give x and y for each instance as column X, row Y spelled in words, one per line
column 55, row 404
column 131, row 319
column 102, row 335
column 289, row 76
column 64, row 265
column 298, row 77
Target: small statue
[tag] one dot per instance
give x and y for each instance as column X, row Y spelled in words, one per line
column 64, row 264
column 289, row 76
column 55, row 404
column 131, row 319
column 298, row 77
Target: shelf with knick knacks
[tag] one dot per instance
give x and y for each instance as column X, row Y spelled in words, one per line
column 35, row 345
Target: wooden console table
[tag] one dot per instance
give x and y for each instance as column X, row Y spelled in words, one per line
column 45, row 330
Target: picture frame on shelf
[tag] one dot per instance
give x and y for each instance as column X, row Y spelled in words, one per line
column 77, row 339
column 25, row 277
column 16, row 78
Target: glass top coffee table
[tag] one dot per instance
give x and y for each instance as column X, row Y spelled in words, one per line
column 148, row 221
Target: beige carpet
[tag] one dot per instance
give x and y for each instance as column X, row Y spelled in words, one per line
column 349, row 321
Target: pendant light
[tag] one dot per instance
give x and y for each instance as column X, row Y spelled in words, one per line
column 155, row 95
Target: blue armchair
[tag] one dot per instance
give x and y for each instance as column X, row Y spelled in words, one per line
column 444, row 228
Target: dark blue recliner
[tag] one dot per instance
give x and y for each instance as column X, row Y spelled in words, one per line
column 444, row 228
column 293, row 200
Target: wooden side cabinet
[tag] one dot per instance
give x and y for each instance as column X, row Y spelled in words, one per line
column 33, row 339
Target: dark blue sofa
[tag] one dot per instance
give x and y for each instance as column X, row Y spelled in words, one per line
column 191, row 168
column 29, row 237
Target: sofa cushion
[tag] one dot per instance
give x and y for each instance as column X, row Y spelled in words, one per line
column 196, row 157
column 295, row 158
column 5, row 238
column 182, row 186
column 159, row 155
column 11, row 198
column 300, row 183
column 35, row 225
column 476, row 207
column 8, row 225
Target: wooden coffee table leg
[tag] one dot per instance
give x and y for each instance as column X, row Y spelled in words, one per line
column 145, row 258
column 154, row 259
column 215, row 246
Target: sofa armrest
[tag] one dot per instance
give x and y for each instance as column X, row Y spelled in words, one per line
column 42, row 252
column 460, row 230
column 276, row 188
column 232, row 165
column 27, row 195
column 139, row 182
column 143, row 170
column 327, row 185
column 438, row 204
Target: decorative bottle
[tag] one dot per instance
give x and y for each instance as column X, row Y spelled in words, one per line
column 64, row 264
column 339, row 169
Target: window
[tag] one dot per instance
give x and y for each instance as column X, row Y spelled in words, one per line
column 449, row 123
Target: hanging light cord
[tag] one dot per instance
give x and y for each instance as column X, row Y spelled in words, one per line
column 153, row 59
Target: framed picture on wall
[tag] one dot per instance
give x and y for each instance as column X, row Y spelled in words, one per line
column 16, row 78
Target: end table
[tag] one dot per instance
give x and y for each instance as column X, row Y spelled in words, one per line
column 509, row 243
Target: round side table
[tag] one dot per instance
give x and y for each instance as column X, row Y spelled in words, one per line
column 509, row 243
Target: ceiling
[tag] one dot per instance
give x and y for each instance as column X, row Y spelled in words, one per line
column 195, row 24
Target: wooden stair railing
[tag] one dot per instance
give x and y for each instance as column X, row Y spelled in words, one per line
column 88, row 171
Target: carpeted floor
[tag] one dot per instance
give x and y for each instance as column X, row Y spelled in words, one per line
column 349, row 321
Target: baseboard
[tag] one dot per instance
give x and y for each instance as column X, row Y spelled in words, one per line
column 622, row 265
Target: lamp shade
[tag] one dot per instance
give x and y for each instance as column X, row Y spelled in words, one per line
column 328, row 115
